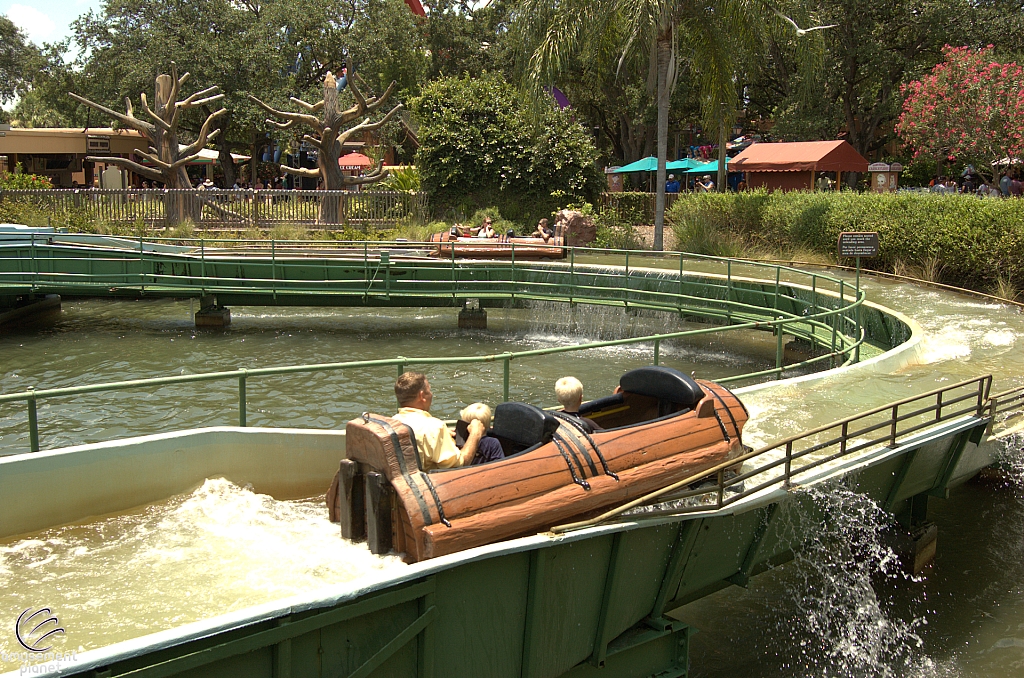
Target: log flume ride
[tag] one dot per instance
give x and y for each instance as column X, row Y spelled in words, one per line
column 660, row 426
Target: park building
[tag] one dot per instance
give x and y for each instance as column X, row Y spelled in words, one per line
column 59, row 153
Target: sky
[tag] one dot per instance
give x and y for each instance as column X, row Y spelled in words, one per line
column 46, row 20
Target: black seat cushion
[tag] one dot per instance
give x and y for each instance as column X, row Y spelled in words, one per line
column 523, row 424
column 663, row 383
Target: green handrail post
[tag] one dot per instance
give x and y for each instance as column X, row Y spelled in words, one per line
column 507, row 367
column 241, row 398
column 778, row 346
column 657, row 350
column 453, row 270
column 626, row 300
column 572, row 273
column 728, row 290
column 679, row 301
column 142, row 266
column 33, row 423
column 202, row 263
column 273, row 267
column 778, row 277
column 366, row 269
column 35, row 265
column 401, row 366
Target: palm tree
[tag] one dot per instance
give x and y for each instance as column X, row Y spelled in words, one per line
column 670, row 33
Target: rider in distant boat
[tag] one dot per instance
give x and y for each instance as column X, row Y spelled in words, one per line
column 543, row 231
column 486, row 230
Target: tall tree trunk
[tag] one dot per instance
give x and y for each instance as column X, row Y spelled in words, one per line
column 227, row 163
column 722, row 137
column 664, row 47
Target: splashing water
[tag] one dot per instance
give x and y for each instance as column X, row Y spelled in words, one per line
column 840, row 625
column 217, row 549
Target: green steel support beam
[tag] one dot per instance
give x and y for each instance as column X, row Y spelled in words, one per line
column 957, row 448
column 399, row 641
column 534, row 609
column 277, row 634
column 685, row 538
column 742, row 576
column 615, row 561
column 283, row 653
column 898, row 480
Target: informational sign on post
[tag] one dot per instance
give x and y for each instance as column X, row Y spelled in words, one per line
column 858, row 244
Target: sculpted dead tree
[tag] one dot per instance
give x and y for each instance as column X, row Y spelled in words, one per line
column 329, row 139
column 165, row 153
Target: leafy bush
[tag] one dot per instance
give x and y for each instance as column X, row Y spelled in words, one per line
column 481, row 147
column 19, row 181
column 400, row 179
column 961, row 239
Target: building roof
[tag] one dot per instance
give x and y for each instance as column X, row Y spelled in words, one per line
column 65, row 140
column 800, row 156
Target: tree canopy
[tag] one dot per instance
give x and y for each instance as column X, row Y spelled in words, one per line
column 481, row 146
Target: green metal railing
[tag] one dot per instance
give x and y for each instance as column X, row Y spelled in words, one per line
column 821, row 312
column 884, row 426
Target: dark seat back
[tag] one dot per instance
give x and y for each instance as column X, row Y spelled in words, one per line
column 665, row 384
column 523, row 424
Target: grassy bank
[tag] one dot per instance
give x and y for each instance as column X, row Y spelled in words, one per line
column 957, row 240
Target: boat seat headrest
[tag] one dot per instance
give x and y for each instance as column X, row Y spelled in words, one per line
column 663, row 383
column 523, row 424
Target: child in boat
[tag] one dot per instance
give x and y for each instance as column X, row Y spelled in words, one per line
column 434, row 441
column 569, row 391
column 489, row 448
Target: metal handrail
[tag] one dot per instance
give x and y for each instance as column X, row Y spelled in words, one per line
column 975, row 390
column 826, row 319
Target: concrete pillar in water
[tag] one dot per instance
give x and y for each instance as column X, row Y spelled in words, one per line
column 472, row 317
column 212, row 315
column 24, row 312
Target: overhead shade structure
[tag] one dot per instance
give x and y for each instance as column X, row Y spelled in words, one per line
column 649, row 164
column 794, row 166
column 709, row 167
column 354, row 161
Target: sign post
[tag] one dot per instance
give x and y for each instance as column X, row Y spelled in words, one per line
column 858, row 244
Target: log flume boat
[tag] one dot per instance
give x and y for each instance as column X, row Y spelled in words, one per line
column 661, row 427
column 499, row 248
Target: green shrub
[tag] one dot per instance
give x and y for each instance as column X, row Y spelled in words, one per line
column 961, row 239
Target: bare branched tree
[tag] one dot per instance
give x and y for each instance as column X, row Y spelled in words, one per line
column 167, row 156
column 329, row 136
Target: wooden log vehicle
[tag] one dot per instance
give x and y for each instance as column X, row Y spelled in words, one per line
column 501, row 247
column 659, row 428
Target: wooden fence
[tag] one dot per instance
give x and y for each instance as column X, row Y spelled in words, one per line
column 226, row 210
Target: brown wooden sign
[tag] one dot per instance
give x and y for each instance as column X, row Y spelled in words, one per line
column 858, row 244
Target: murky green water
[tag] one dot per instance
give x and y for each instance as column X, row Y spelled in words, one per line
column 972, row 600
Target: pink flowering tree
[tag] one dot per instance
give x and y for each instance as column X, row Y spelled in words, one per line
column 969, row 107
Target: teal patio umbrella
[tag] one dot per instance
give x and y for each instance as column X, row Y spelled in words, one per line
column 708, row 168
column 684, row 164
column 649, row 164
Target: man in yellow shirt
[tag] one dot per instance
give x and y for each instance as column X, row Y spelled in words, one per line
column 434, row 441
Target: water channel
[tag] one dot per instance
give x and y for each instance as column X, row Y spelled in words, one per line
column 965, row 617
